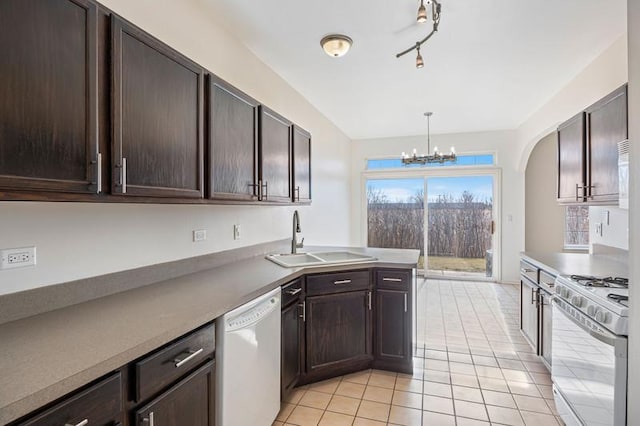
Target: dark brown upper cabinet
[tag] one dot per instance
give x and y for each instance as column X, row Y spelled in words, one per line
column 274, row 183
column 606, row 126
column 301, row 165
column 571, row 160
column 157, row 101
column 233, row 142
column 48, row 96
column 588, row 151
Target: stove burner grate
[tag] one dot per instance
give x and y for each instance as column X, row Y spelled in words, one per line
column 617, row 297
column 589, row 281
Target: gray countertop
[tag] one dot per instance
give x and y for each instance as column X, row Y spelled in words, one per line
column 599, row 265
column 45, row 356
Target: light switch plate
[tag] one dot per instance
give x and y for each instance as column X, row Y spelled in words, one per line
column 236, row 232
column 199, row 235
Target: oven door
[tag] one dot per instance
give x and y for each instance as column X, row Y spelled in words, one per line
column 589, row 369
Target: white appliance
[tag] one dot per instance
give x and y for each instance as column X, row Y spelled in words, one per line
column 248, row 363
column 623, row 174
column 589, row 350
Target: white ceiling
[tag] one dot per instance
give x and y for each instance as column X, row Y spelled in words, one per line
column 491, row 65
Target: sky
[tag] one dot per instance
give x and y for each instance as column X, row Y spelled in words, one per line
column 401, row 190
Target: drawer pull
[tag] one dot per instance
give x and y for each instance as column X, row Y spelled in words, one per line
column 342, row 282
column 527, row 270
column 148, row 420
column 82, row 423
column 395, row 280
column 293, row 291
column 179, row 362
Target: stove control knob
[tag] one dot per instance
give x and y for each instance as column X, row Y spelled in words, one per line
column 591, row 310
column 577, row 301
column 565, row 293
column 602, row 316
column 558, row 290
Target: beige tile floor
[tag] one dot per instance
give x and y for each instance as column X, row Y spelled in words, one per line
column 472, row 367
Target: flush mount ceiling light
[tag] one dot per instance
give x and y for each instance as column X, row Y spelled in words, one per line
column 436, row 8
column 336, row 45
column 436, row 157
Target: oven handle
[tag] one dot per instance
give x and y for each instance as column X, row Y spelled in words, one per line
column 604, row 336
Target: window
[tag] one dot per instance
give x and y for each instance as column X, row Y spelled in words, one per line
column 576, row 227
column 461, row 160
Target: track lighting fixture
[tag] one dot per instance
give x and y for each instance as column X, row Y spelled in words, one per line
column 422, row 13
column 436, row 8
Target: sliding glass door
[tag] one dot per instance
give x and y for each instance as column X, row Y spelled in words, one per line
column 395, row 214
column 458, row 240
column 460, row 225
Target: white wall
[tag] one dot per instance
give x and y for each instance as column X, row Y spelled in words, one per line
column 76, row 240
column 544, row 217
column 634, row 210
column 615, row 233
column 606, row 73
column 500, row 142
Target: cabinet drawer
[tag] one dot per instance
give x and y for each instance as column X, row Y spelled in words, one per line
column 528, row 270
column 393, row 279
column 337, row 282
column 163, row 367
column 100, row 404
column 291, row 292
column 546, row 279
column 189, row 402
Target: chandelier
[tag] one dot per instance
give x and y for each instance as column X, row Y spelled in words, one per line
column 436, row 8
column 436, row 157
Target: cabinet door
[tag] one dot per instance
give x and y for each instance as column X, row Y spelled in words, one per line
column 100, row 405
column 338, row 331
column 291, row 347
column 545, row 327
column 571, row 160
column 301, row 165
column 189, row 402
column 48, row 96
column 233, row 142
column 393, row 329
column 275, row 156
column 529, row 312
column 157, row 117
column 607, row 125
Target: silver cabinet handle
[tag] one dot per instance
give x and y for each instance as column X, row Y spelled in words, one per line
column 342, row 282
column 179, row 362
column 303, row 305
column 369, row 302
column 405, row 302
column 82, row 423
column 99, row 173
column 297, row 194
column 149, row 419
column 123, row 175
column 527, row 270
column 266, row 190
column 394, row 280
column 293, row 291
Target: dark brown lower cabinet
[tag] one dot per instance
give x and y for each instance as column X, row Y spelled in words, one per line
column 189, row 402
column 292, row 337
column 338, row 333
column 545, row 327
column 393, row 330
column 99, row 404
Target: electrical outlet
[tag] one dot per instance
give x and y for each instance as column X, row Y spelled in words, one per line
column 236, row 232
column 599, row 229
column 199, row 235
column 17, row 257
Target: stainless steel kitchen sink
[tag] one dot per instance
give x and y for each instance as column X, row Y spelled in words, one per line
column 318, row 259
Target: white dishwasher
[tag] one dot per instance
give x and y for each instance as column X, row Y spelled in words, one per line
column 248, row 363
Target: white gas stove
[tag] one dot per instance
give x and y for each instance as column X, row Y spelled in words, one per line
column 604, row 301
column 589, row 350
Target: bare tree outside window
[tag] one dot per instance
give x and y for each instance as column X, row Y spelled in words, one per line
column 576, row 227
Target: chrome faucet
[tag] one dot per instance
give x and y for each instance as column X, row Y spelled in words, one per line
column 296, row 230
